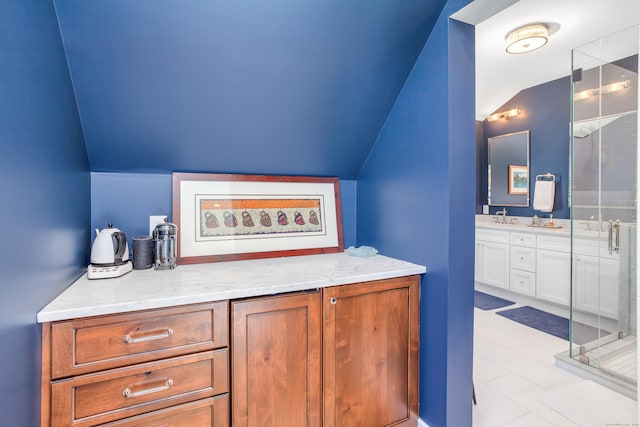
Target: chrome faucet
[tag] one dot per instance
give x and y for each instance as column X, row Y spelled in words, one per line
column 503, row 212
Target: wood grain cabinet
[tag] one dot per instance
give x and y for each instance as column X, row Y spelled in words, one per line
column 371, row 353
column 137, row 368
column 337, row 357
column 343, row 356
column 276, row 369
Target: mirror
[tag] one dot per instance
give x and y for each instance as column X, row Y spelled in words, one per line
column 508, row 169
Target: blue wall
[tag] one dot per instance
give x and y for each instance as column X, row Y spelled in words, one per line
column 415, row 204
column 546, row 114
column 278, row 87
column 45, row 188
column 127, row 200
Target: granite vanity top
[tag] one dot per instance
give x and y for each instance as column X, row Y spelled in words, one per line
column 189, row 284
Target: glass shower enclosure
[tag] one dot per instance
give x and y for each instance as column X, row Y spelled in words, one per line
column 604, row 208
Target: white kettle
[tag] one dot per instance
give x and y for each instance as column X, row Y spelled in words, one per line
column 109, row 247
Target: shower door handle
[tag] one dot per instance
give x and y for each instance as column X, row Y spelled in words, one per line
column 617, row 227
column 610, row 229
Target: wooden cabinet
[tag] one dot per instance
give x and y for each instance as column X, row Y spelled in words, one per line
column 122, row 369
column 276, row 371
column 365, row 368
column 371, row 353
column 337, row 357
column 213, row 411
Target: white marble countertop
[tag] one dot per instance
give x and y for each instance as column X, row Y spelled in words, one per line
column 189, row 284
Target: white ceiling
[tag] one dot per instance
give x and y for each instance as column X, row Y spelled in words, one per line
column 500, row 76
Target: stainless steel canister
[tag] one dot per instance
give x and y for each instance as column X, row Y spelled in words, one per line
column 164, row 236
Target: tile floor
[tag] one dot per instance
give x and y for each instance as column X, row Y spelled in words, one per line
column 518, row 385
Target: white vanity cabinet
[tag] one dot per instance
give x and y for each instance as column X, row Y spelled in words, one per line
column 522, row 275
column 553, row 281
column 596, row 277
column 492, row 257
column 538, row 264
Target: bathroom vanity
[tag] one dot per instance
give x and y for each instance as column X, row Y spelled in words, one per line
column 535, row 262
column 316, row 340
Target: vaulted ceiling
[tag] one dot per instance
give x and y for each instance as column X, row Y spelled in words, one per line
column 242, row 86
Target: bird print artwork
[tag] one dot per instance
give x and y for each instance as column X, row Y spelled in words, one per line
column 230, row 219
column 313, row 218
column 282, row 218
column 246, row 219
column 265, row 219
column 211, row 221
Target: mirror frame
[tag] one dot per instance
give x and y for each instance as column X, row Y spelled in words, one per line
column 505, row 156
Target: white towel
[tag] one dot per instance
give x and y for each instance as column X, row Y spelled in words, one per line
column 543, row 196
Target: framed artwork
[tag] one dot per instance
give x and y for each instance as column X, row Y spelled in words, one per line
column 518, row 179
column 223, row 217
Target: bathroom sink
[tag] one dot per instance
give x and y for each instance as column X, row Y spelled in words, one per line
column 545, row 226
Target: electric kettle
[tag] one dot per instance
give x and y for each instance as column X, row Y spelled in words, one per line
column 109, row 254
column 110, row 247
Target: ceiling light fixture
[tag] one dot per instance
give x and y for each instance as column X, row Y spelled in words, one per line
column 504, row 115
column 527, row 38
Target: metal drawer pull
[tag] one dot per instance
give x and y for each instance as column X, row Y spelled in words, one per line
column 164, row 334
column 166, row 386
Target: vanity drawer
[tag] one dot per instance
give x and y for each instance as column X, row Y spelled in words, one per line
column 211, row 412
column 523, row 239
column 93, row 399
column 523, row 258
column 554, row 243
column 523, row 282
column 495, row 236
column 93, row 344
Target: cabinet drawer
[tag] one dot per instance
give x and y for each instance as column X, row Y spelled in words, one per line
column 93, row 399
column 554, row 243
column 93, row 344
column 523, row 258
column 495, row 236
column 212, row 412
column 523, row 282
column 523, row 239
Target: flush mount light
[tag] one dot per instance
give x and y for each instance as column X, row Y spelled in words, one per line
column 527, row 38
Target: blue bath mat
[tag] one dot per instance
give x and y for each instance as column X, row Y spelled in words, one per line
column 489, row 302
column 552, row 324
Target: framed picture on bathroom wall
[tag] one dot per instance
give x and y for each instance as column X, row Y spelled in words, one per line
column 223, row 217
column 518, row 179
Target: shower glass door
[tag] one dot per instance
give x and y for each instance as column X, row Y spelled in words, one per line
column 604, row 213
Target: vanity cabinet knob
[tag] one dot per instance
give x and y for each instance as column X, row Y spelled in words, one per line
column 333, row 300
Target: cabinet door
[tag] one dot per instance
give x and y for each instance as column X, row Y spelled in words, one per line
column 276, row 344
column 553, row 276
column 494, row 264
column 371, row 353
column 597, row 285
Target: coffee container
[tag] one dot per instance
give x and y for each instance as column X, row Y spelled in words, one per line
column 164, row 236
column 143, row 252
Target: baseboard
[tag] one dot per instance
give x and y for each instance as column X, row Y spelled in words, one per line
column 422, row 423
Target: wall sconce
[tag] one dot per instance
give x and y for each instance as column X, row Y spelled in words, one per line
column 504, row 115
column 612, row 87
column 527, row 38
